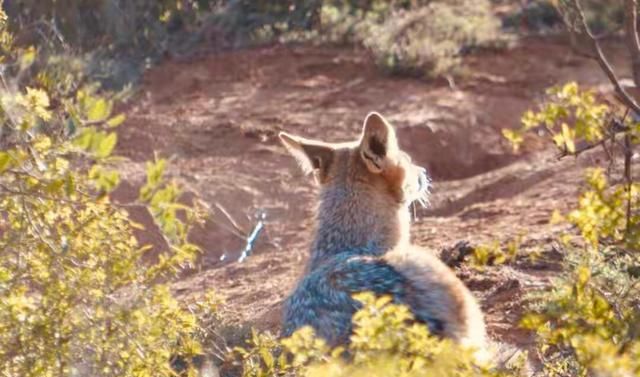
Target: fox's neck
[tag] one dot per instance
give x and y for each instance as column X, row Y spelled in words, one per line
column 356, row 224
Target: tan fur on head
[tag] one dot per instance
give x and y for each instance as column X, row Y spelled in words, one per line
column 366, row 185
column 377, row 150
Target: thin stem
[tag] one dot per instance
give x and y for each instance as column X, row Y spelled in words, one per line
column 632, row 39
column 628, row 152
column 604, row 63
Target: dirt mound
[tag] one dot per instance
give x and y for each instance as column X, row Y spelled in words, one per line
column 217, row 119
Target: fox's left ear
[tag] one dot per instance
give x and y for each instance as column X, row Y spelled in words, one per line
column 312, row 155
column 378, row 142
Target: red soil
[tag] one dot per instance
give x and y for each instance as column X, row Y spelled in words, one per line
column 217, row 118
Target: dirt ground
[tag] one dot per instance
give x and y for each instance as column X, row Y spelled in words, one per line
column 217, row 119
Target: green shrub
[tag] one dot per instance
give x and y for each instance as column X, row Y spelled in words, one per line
column 407, row 37
column 547, row 15
column 415, row 37
column 430, row 39
column 536, row 16
column 567, row 115
column 143, row 25
column 111, row 41
column 246, row 21
column 603, row 16
column 589, row 324
column 76, row 298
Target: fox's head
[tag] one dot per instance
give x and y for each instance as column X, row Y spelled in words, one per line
column 367, row 186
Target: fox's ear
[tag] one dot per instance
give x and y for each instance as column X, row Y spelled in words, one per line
column 312, row 155
column 378, row 142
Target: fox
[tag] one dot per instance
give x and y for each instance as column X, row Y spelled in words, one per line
column 362, row 242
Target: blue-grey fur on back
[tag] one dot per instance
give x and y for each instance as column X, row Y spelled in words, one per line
column 323, row 299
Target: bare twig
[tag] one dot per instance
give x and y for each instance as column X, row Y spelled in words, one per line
column 610, row 158
column 631, row 37
column 36, row 229
column 617, row 127
column 231, row 220
column 582, row 146
column 624, row 96
column 628, row 152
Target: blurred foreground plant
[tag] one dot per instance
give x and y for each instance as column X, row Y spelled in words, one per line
column 386, row 342
column 78, row 297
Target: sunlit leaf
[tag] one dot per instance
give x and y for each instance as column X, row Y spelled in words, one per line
column 5, row 161
column 106, row 145
column 116, row 121
column 99, row 110
column 27, row 58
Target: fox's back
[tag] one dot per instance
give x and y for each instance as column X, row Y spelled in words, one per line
column 323, row 298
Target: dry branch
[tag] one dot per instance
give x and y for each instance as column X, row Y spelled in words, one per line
column 632, row 39
column 624, row 96
column 616, row 127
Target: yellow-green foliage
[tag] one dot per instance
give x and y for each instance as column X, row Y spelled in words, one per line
column 386, row 342
column 589, row 323
column 494, row 254
column 601, row 212
column 568, row 114
column 76, row 298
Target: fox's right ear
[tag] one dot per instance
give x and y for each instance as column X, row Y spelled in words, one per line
column 312, row 155
column 378, row 142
